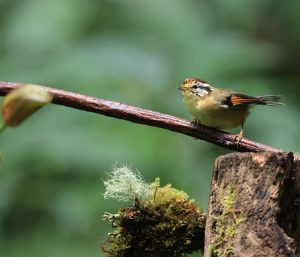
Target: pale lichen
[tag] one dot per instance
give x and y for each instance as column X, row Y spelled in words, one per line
column 125, row 184
column 162, row 221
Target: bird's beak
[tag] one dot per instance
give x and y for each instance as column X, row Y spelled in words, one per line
column 181, row 88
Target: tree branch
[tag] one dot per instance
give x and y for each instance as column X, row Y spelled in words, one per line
column 147, row 117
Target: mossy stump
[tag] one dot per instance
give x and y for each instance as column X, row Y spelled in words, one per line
column 254, row 206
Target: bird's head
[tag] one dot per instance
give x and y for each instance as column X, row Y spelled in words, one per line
column 195, row 87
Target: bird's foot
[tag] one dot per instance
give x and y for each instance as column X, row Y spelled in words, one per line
column 238, row 137
column 195, row 122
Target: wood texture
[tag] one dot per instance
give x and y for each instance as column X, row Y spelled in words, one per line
column 253, row 206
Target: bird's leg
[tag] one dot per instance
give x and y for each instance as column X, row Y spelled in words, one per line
column 239, row 137
column 195, row 122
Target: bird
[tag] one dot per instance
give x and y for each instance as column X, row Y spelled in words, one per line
column 221, row 108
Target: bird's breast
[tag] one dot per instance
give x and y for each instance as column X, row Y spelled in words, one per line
column 210, row 113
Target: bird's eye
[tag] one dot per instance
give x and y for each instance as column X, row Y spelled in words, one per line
column 195, row 86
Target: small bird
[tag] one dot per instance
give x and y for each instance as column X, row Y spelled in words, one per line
column 220, row 108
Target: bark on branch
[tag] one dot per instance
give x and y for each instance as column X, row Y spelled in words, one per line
column 147, row 117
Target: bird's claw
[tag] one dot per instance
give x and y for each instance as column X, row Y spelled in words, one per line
column 195, row 122
column 238, row 137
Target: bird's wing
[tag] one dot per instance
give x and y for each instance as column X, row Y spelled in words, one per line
column 236, row 99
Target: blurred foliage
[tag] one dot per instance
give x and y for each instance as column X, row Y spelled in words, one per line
column 135, row 52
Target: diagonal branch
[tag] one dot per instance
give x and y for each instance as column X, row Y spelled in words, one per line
column 147, row 117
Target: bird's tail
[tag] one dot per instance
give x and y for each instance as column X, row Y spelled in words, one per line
column 272, row 100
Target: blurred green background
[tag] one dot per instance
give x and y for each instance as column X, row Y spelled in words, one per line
column 135, row 52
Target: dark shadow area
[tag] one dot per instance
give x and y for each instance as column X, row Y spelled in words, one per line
column 289, row 216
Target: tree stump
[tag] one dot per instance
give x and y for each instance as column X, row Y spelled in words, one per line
column 254, row 206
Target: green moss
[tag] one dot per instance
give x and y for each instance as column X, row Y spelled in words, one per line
column 167, row 224
column 226, row 225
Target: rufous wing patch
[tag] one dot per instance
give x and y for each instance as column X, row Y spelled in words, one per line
column 239, row 99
